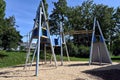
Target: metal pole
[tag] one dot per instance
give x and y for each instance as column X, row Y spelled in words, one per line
column 104, row 42
column 48, row 30
column 45, row 52
column 34, row 53
column 99, row 54
column 93, row 34
column 66, row 48
column 61, row 32
column 28, row 53
column 38, row 50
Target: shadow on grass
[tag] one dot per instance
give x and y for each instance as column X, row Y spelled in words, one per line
column 3, row 55
column 111, row 72
column 15, row 51
column 115, row 58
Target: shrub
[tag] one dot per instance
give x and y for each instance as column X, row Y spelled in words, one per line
column 78, row 51
column 116, row 47
column 72, row 49
column 84, row 51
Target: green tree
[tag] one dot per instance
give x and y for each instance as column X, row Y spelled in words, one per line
column 58, row 15
column 46, row 6
column 2, row 14
column 104, row 15
column 81, row 18
column 74, row 18
column 87, row 10
column 10, row 37
column 117, row 16
column 116, row 37
column 2, row 9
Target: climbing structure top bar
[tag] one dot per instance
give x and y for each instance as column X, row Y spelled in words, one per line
column 80, row 32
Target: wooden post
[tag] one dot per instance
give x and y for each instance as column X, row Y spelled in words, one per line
column 45, row 52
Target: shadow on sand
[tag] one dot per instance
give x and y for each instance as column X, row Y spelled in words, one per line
column 79, row 79
column 7, row 74
column 78, row 64
column 111, row 72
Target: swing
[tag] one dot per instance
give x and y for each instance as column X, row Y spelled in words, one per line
column 35, row 32
column 94, row 39
column 101, row 39
column 56, row 42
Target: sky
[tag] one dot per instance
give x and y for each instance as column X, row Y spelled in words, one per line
column 25, row 11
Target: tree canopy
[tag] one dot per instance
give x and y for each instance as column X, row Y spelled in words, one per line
column 9, row 36
column 58, row 15
column 81, row 18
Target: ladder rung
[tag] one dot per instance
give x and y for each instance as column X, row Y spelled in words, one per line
column 63, row 43
column 56, row 46
column 44, row 36
column 44, row 28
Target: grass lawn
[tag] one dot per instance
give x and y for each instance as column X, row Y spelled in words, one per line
column 115, row 58
column 8, row 59
column 72, row 58
column 11, row 58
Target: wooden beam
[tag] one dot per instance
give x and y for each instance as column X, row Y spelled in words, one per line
column 80, row 32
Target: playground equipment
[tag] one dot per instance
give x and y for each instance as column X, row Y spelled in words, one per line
column 98, row 52
column 79, row 32
column 60, row 42
column 63, row 43
column 41, row 33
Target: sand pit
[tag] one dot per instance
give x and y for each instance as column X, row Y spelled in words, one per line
column 70, row 71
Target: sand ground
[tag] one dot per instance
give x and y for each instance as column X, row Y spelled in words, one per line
column 74, row 70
